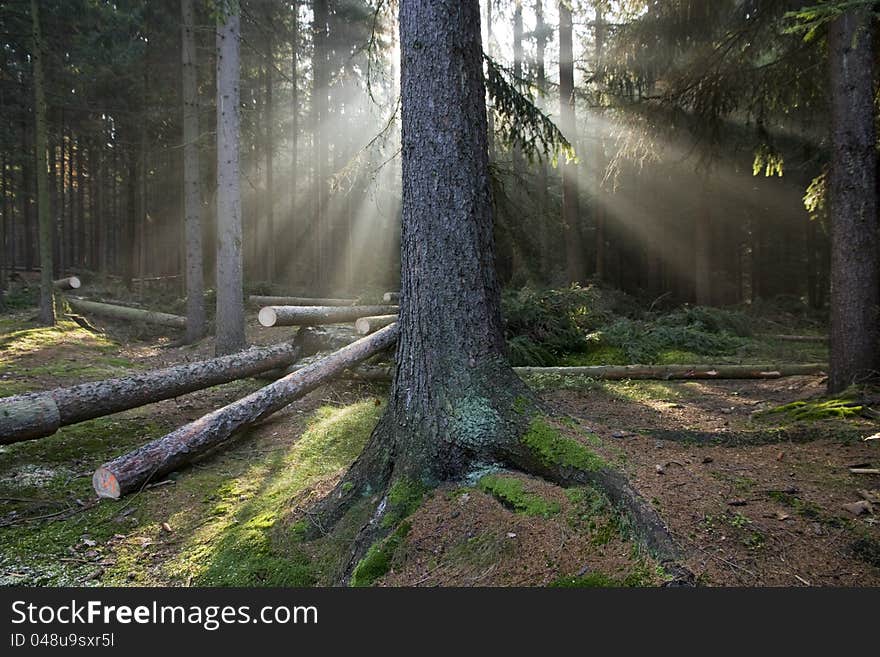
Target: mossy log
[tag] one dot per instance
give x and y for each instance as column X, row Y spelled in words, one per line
column 128, row 314
column 367, row 325
column 316, row 315
column 391, row 297
column 258, row 300
column 68, row 283
column 655, row 372
column 131, row 471
column 35, row 415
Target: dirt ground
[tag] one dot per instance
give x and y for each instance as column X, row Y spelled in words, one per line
column 753, row 499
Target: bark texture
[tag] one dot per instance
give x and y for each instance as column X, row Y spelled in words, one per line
column 230, row 303
column 90, row 400
column 130, row 471
column 855, row 293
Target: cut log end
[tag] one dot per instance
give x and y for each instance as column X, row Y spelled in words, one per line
column 69, row 283
column 267, row 316
column 105, row 483
column 391, row 297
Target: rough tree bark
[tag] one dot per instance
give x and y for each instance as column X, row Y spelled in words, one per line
column 47, row 297
column 130, row 471
column 195, row 283
column 230, row 303
column 29, row 416
column 853, row 203
column 454, row 399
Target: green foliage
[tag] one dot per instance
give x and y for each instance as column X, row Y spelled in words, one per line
column 553, row 449
column 521, row 123
column 769, row 160
column 513, row 495
column 810, row 20
column 378, row 560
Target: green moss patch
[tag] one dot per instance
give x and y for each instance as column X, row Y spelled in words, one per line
column 404, row 497
column 511, row 492
column 808, row 411
column 379, row 557
column 554, row 449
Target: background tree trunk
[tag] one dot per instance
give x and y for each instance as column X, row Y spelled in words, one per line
column 195, row 283
column 853, row 203
column 47, row 297
column 230, row 302
column 570, row 221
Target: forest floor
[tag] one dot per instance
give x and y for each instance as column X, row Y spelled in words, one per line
column 753, row 497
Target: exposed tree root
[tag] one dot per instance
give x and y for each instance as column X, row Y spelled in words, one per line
column 374, row 476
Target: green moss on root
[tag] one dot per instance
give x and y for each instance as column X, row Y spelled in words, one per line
column 378, row 560
column 553, row 449
column 513, row 495
column 404, row 497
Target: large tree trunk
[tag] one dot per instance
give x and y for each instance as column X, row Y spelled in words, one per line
column 230, row 302
column 47, row 297
column 28, row 416
column 853, row 202
column 195, row 284
column 454, row 401
column 130, row 471
column 574, row 257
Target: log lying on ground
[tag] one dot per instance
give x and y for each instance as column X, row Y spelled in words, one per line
column 657, row 372
column 69, row 283
column 131, row 471
column 126, row 313
column 315, row 315
column 800, row 338
column 298, row 301
column 35, row 415
column 367, row 325
column 391, row 297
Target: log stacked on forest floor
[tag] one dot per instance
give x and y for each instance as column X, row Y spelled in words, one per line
column 800, row 338
column 131, row 471
column 367, row 325
column 391, row 297
column 316, row 315
column 128, row 314
column 69, row 283
column 35, row 415
column 258, row 300
column 656, row 372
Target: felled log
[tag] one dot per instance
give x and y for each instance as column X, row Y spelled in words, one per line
column 69, row 283
column 367, row 325
column 800, row 338
column 35, row 415
column 127, row 314
column 612, row 372
column 131, row 471
column 315, row 315
column 391, row 297
column 658, row 372
column 298, row 301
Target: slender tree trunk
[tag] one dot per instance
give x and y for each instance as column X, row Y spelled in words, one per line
column 294, row 120
column 703, row 248
column 195, row 283
column 543, row 193
column 268, row 254
column 570, row 221
column 230, row 302
column 320, row 80
column 853, row 201
column 490, row 51
column 47, row 297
